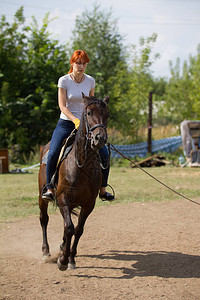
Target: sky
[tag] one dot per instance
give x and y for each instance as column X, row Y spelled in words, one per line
column 176, row 22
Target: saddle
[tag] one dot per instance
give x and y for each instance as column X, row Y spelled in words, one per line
column 65, row 150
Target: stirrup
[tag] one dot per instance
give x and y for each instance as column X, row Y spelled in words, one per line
column 48, row 197
column 107, row 197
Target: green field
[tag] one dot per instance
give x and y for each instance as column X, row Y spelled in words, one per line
column 19, row 192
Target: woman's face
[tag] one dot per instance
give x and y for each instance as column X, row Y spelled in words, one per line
column 79, row 67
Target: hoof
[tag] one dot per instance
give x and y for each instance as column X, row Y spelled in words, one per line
column 46, row 257
column 71, row 266
column 61, row 267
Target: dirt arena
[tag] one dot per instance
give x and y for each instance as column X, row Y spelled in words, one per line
column 133, row 251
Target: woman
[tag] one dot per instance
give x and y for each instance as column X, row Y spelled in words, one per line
column 70, row 88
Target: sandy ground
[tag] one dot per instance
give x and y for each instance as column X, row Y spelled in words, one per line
column 133, row 251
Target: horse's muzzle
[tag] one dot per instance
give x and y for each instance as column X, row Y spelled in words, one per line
column 98, row 140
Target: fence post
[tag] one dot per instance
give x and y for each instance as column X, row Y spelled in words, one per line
column 149, row 141
column 4, row 163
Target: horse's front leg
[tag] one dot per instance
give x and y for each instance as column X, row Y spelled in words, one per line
column 63, row 259
column 78, row 233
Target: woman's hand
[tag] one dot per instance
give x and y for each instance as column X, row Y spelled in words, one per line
column 77, row 123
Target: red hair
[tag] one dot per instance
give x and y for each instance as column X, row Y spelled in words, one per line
column 78, row 55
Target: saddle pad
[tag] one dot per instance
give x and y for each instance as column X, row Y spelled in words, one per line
column 45, row 157
column 63, row 154
column 66, row 148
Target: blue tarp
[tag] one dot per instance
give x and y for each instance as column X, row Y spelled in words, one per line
column 168, row 145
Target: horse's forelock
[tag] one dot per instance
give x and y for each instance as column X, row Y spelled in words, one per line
column 93, row 100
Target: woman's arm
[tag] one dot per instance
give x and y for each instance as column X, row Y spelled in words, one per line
column 62, row 100
column 92, row 92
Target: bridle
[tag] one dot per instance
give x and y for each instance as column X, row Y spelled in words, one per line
column 89, row 133
column 89, row 129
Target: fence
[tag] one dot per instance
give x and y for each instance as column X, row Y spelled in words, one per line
column 168, row 145
column 4, row 167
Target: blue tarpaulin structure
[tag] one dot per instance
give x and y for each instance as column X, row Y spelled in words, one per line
column 168, row 145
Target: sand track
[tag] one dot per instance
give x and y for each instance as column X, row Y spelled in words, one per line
column 133, row 251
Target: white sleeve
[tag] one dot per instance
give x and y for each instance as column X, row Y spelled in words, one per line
column 62, row 82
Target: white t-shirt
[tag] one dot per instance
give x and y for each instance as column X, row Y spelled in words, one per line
column 74, row 93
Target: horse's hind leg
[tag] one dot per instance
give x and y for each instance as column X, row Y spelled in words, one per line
column 78, row 233
column 63, row 259
column 44, row 219
column 43, row 205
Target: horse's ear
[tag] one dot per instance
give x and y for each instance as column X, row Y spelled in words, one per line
column 106, row 100
column 85, row 98
column 83, row 95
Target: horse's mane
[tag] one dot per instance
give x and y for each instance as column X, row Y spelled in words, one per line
column 94, row 100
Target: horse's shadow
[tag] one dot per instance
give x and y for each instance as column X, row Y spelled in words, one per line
column 153, row 263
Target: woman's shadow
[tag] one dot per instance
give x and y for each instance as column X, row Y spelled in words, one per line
column 152, row 263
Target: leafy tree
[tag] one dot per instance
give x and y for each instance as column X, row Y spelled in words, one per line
column 159, row 94
column 195, row 83
column 31, row 63
column 46, row 62
column 131, row 89
column 12, row 59
column 96, row 33
column 182, row 100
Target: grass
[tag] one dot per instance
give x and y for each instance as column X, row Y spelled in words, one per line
column 134, row 185
column 18, row 195
column 19, row 192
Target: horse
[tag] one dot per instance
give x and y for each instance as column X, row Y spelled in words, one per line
column 79, row 179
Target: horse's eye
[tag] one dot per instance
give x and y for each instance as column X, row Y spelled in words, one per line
column 89, row 113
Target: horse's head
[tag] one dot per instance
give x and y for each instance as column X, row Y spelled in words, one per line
column 96, row 117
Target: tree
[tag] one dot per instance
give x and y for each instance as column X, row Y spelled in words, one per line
column 159, row 93
column 182, row 99
column 195, row 83
column 131, row 88
column 46, row 62
column 12, row 59
column 31, row 63
column 96, row 33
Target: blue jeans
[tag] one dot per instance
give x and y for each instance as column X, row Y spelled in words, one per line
column 61, row 132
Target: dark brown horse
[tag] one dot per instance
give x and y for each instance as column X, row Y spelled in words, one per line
column 79, row 179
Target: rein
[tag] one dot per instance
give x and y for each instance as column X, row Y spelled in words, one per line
column 169, row 188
